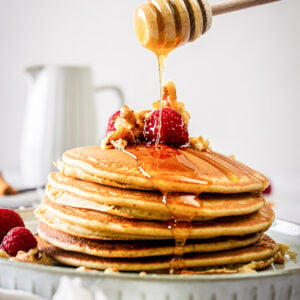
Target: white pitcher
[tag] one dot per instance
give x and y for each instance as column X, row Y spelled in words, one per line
column 60, row 114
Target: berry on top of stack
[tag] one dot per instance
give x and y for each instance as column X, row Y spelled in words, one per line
column 154, row 199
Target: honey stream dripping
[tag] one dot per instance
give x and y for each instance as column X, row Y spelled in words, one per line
column 161, row 70
column 163, row 164
column 168, row 160
column 147, row 169
column 181, row 227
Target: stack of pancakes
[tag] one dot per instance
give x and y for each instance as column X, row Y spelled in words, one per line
column 156, row 209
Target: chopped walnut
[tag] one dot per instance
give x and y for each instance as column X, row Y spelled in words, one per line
column 292, row 254
column 129, row 125
column 111, row 270
column 143, row 273
column 279, row 258
column 85, row 269
column 249, row 268
column 119, row 144
column 169, row 100
column 140, row 118
column 199, row 143
column 3, row 254
column 129, row 128
column 283, row 250
column 33, row 256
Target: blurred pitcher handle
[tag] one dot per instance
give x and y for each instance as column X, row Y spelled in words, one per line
column 114, row 88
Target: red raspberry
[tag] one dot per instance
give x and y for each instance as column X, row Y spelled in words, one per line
column 268, row 190
column 111, row 121
column 8, row 220
column 173, row 130
column 18, row 238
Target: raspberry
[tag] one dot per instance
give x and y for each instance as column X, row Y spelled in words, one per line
column 8, row 220
column 173, row 130
column 18, row 238
column 268, row 190
column 111, row 121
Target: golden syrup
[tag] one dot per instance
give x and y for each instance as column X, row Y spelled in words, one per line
column 161, row 71
column 230, row 174
column 166, row 165
column 170, row 164
column 166, row 160
column 155, row 43
column 239, row 166
column 181, row 227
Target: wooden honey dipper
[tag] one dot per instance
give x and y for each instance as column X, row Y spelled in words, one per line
column 163, row 25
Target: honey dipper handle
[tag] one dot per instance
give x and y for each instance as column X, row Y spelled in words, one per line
column 232, row 5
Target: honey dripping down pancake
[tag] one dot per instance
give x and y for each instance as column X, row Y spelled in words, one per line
column 148, row 205
column 152, row 198
column 258, row 256
column 141, row 206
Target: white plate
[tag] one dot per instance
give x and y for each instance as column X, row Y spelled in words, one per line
column 277, row 282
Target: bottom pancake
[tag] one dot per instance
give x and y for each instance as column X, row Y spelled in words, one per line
column 139, row 248
column 263, row 252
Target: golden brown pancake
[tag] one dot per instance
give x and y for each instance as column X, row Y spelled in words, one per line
column 164, row 168
column 139, row 248
column 136, row 209
column 94, row 224
column 264, row 250
column 148, row 205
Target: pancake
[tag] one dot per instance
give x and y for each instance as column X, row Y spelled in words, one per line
column 138, row 248
column 94, row 224
column 164, row 168
column 149, row 205
column 263, row 252
column 155, row 209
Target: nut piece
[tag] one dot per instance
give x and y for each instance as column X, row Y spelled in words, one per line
column 169, row 100
column 129, row 128
column 3, row 254
column 199, row 143
column 129, row 125
column 33, row 256
column 111, row 270
column 85, row 269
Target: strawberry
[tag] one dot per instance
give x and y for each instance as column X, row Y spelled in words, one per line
column 18, row 238
column 8, row 220
column 111, row 121
column 173, row 130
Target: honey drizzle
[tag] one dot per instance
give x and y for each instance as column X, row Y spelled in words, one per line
column 180, row 224
column 181, row 227
column 229, row 174
column 239, row 166
column 165, row 162
column 161, row 70
column 161, row 51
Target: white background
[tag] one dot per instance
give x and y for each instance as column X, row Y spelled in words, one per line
column 241, row 81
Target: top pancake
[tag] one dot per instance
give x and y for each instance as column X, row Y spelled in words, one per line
column 163, row 168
